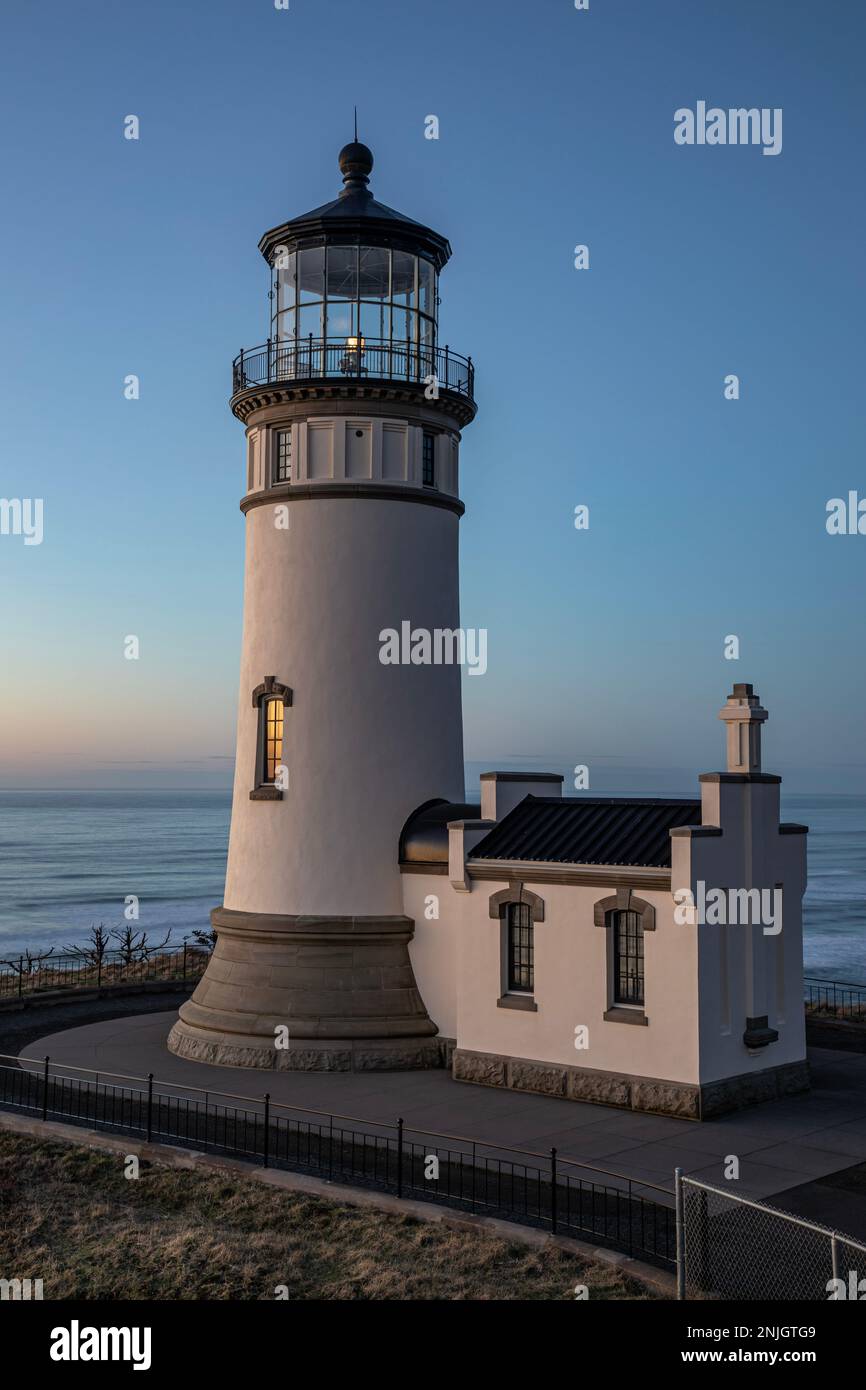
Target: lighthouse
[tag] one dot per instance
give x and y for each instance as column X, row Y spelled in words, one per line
column 353, row 411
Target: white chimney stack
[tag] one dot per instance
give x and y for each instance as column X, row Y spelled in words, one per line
column 744, row 716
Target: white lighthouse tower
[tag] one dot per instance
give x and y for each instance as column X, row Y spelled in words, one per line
column 353, row 413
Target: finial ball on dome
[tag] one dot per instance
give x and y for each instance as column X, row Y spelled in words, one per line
column 356, row 160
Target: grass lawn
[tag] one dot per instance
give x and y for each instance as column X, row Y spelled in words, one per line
column 69, row 1217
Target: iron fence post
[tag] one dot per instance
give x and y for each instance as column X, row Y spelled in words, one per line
column 45, row 1091
column 330, row 1146
column 681, row 1234
column 553, row 1191
column 99, row 972
column 267, row 1129
column 630, row 1220
column 470, row 376
column 149, row 1106
column 473, row 1174
column 399, row 1158
column 20, row 976
column 184, row 962
column 834, row 1255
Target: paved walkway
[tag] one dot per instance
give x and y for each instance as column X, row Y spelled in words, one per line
column 781, row 1144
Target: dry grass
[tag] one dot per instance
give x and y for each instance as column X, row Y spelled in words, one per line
column 69, row 1217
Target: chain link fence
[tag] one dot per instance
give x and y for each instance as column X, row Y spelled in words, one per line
column 733, row 1247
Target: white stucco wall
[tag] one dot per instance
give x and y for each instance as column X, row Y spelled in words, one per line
column 571, row 980
column 433, row 950
column 743, row 971
column 365, row 744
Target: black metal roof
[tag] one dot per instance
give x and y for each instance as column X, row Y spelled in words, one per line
column 356, row 213
column 589, row 830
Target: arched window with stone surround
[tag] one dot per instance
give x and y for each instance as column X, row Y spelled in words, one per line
column 517, row 910
column 625, row 919
column 271, row 699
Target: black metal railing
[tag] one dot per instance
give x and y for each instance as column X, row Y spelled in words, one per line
column 373, row 359
column 536, row 1189
column 835, row 997
column 30, row 974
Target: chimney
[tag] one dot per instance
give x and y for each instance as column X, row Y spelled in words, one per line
column 744, row 716
column 502, row 791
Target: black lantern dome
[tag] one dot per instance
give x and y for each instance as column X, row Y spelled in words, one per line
column 356, row 212
column 354, row 293
column 355, row 269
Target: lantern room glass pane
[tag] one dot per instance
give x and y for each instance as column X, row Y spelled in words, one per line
column 310, row 320
column 342, row 272
column 341, row 320
column 374, row 279
column 399, row 325
column 285, row 326
column 403, row 279
column 311, row 274
column 376, row 321
column 285, row 266
column 426, row 287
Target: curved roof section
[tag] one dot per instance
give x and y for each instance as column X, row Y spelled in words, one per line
column 424, row 839
column 355, row 213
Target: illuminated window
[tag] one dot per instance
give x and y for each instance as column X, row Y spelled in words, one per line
column 272, row 738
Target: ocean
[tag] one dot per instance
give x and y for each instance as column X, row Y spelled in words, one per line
column 69, row 859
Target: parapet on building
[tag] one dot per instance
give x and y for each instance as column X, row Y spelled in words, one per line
column 372, row 918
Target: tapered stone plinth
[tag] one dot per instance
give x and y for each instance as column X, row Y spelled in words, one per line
column 343, row 987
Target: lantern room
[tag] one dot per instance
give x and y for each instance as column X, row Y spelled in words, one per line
column 354, row 292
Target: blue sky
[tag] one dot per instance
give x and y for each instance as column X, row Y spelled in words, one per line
column 602, row 387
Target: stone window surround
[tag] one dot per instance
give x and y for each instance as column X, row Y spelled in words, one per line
column 514, row 893
column 269, row 689
column 623, row 900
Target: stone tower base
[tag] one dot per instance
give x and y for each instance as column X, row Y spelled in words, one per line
column 342, row 987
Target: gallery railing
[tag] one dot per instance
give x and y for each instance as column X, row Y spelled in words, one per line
column 31, row 974
column 533, row 1189
column 835, row 998
column 373, row 359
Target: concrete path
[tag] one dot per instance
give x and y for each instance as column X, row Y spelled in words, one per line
column 781, row 1144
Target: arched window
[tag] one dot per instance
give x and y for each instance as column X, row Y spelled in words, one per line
column 272, row 738
column 625, row 918
column 517, row 909
column 520, row 949
column 627, row 958
column 270, row 701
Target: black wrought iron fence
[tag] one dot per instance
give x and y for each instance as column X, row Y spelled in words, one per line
column 534, row 1189
column 27, row 975
column 379, row 359
column 835, row 998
